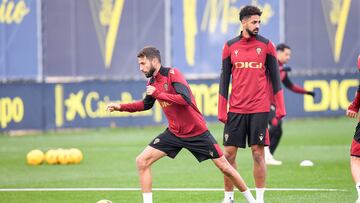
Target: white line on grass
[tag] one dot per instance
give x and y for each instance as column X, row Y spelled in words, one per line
column 158, row 189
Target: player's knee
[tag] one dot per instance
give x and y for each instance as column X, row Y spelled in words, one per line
column 258, row 154
column 141, row 162
column 230, row 157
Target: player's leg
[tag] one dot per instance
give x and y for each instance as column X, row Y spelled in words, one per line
column 162, row 145
column 144, row 162
column 205, row 147
column 275, row 132
column 232, row 174
column 355, row 172
column 234, row 137
column 355, row 160
column 258, row 138
column 275, row 136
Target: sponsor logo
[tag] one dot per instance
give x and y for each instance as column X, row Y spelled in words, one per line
column 157, row 140
column 164, row 104
column 252, row 64
column 106, row 16
column 11, row 110
column 336, row 13
column 12, row 12
column 226, row 136
column 261, row 137
column 214, row 18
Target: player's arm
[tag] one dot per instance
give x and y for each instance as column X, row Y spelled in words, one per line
column 143, row 105
column 224, row 84
column 353, row 109
column 182, row 96
column 272, row 66
column 293, row 87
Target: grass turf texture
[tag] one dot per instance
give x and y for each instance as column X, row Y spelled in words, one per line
column 109, row 162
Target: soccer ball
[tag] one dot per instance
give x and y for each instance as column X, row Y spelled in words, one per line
column 63, row 156
column 51, row 157
column 35, row 157
column 104, row 201
column 75, row 155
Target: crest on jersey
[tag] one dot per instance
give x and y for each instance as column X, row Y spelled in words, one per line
column 236, row 52
column 258, row 50
column 211, row 153
column 166, row 86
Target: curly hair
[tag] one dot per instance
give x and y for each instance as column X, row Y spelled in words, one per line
column 149, row 52
column 248, row 11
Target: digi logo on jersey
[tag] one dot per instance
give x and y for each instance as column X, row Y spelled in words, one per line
column 247, row 64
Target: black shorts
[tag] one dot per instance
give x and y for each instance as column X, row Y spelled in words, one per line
column 203, row 146
column 355, row 145
column 250, row 127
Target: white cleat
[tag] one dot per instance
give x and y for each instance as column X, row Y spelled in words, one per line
column 273, row 162
column 269, row 159
column 358, row 201
column 227, row 201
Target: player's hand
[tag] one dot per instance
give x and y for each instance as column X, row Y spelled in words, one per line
column 274, row 121
column 222, row 118
column 113, row 107
column 286, row 69
column 351, row 113
column 311, row 93
column 150, row 90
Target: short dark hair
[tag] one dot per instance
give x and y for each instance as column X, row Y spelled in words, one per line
column 282, row 47
column 248, row 11
column 149, row 52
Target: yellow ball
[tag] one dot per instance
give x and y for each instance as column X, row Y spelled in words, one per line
column 63, row 156
column 35, row 157
column 75, row 155
column 51, row 157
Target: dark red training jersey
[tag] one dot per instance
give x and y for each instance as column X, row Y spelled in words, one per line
column 177, row 101
column 355, row 105
column 251, row 63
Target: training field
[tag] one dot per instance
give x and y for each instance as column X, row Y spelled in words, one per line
column 108, row 170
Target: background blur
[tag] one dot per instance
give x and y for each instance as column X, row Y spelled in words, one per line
column 62, row 61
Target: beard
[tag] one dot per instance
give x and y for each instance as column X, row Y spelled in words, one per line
column 252, row 33
column 150, row 73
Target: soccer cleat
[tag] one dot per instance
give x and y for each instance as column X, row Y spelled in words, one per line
column 358, row 201
column 272, row 161
column 269, row 159
column 227, row 201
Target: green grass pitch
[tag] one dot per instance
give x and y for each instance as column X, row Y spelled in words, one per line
column 109, row 162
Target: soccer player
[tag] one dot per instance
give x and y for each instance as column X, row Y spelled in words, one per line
column 187, row 127
column 250, row 59
column 352, row 112
column 283, row 52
